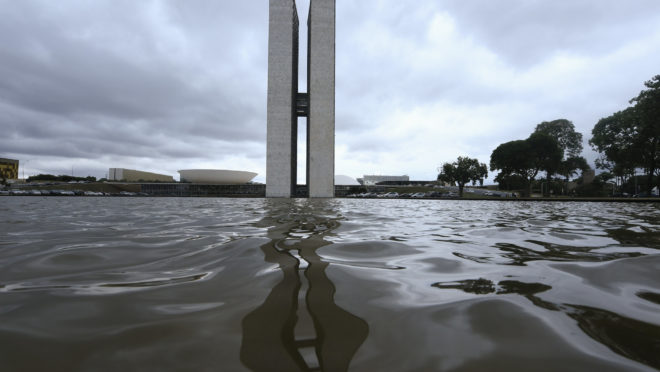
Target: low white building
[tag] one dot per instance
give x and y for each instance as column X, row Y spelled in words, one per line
column 342, row 180
column 216, row 176
column 131, row 175
column 373, row 180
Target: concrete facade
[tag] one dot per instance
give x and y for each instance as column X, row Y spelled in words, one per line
column 286, row 104
column 131, row 175
column 321, row 89
column 373, row 180
column 282, row 149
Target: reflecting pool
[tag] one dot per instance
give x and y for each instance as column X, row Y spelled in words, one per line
column 305, row 285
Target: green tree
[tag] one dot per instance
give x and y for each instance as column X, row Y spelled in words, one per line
column 564, row 132
column 647, row 107
column 546, row 154
column 597, row 188
column 570, row 166
column 614, row 137
column 463, row 171
column 510, row 182
column 621, row 171
column 60, row 178
column 570, row 142
column 630, row 139
column 526, row 158
column 513, row 158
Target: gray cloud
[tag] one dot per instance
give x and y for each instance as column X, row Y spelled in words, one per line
column 139, row 80
column 166, row 85
column 525, row 32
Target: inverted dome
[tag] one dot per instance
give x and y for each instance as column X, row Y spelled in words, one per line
column 341, row 180
column 216, row 176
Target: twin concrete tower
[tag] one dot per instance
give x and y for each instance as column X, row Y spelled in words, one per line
column 286, row 104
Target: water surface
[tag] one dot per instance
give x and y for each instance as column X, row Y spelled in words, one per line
column 295, row 285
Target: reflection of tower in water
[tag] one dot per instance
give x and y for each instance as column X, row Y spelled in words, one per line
column 299, row 327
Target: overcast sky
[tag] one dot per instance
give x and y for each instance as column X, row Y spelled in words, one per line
column 163, row 85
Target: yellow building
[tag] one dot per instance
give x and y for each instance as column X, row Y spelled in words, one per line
column 8, row 169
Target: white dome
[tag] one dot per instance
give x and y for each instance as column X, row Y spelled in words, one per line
column 216, row 176
column 341, row 180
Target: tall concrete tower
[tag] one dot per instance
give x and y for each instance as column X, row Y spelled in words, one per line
column 286, row 104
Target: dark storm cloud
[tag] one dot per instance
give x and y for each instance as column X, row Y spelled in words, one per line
column 83, row 79
column 163, row 85
column 48, row 68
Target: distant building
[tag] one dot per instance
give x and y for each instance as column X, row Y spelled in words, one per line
column 374, row 180
column 341, row 180
column 588, row 176
column 130, row 175
column 8, row 169
column 216, row 176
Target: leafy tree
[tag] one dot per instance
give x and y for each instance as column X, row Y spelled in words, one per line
column 647, row 106
column 570, row 166
column 510, row 181
column 615, row 137
column 463, row 171
column 42, row 177
column 604, row 177
column 545, row 153
column 564, row 132
column 570, row 142
column 513, row 158
column 621, row 171
column 526, row 158
column 61, row 178
column 630, row 139
column 597, row 188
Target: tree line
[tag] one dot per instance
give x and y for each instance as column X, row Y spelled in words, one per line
column 60, row 178
column 629, row 140
column 626, row 141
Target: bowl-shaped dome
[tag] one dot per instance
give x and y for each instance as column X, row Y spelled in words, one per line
column 216, row 176
column 341, row 180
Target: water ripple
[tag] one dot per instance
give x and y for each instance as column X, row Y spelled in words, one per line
column 201, row 284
